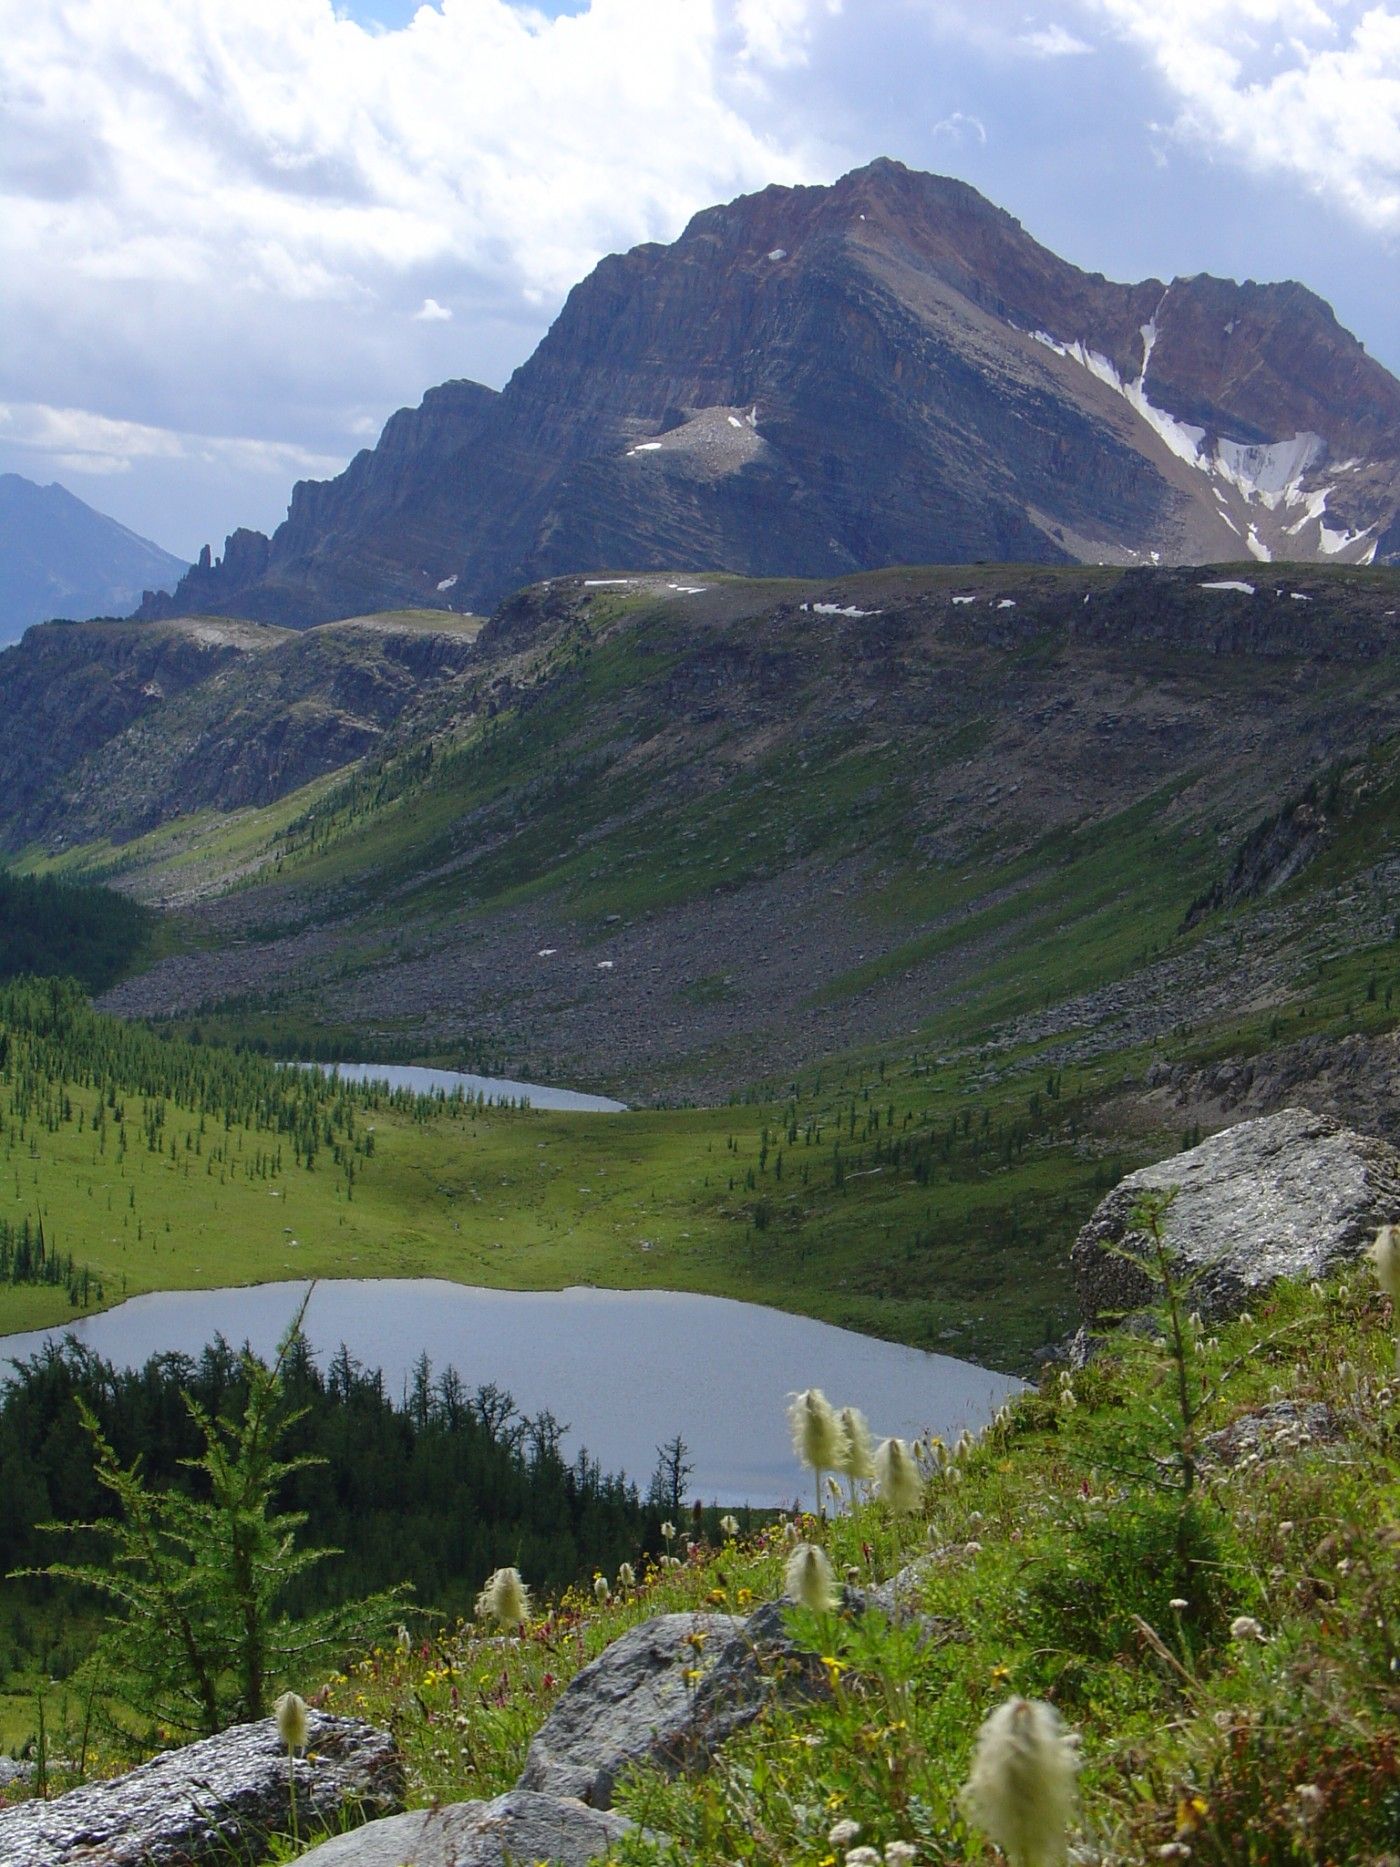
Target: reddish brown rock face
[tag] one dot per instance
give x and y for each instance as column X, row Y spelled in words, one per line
column 819, row 380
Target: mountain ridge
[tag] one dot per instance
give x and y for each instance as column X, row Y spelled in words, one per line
column 59, row 556
column 820, row 380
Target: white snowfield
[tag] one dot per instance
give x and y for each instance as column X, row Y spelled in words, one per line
column 1245, row 589
column 448, row 583
column 837, row 609
column 1269, row 474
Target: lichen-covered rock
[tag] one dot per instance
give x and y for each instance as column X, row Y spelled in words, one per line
column 225, row 1797
column 515, row 1828
column 1290, row 1195
column 635, row 1703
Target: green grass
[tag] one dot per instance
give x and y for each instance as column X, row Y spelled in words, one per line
column 1058, row 1558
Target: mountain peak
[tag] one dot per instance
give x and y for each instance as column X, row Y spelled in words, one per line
column 819, row 379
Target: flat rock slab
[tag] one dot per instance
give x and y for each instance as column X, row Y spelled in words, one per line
column 633, row 1704
column 222, row 1798
column 512, row 1830
column 1290, row 1195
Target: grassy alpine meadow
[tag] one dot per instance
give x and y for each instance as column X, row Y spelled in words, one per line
column 1227, row 1662
column 854, row 1196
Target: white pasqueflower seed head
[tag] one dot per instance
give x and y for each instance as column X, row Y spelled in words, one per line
column 1178, row 1604
column 293, row 1721
column 505, row 1600
column 791, row 1533
column 841, row 1834
column 404, row 1638
column 898, row 1482
column 1245, row 1627
column 668, row 1531
column 808, row 1579
column 817, row 1438
column 900, row 1853
column 626, row 1575
column 1021, row 1788
column 858, row 1451
column 601, row 1591
column 1384, row 1253
column 863, row 1857
column 729, row 1525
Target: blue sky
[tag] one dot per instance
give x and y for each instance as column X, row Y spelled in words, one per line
column 238, row 233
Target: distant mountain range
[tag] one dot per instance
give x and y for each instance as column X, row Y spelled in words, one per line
column 819, row 380
column 58, row 557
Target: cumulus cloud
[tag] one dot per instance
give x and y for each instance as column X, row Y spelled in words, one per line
column 1053, row 42
column 431, row 312
column 1288, row 87
column 74, row 440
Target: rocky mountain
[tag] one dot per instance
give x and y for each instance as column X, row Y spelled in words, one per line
column 813, row 381
column 60, row 558
column 646, row 829
column 112, row 728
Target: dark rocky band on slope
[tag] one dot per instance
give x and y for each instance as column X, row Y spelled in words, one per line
column 813, row 381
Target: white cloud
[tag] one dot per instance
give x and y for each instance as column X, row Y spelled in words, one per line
column 1290, row 87
column 74, row 440
column 431, row 312
column 959, row 126
column 1053, row 42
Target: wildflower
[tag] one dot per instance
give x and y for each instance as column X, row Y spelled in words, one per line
column 730, row 1526
column 897, row 1480
column 1384, row 1253
column 817, row 1438
column 809, row 1580
column 1245, row 1627
column 1021, row 1787
column 863, row 1857
column 791, row 1533
column 668, row 1531
column 1309, row 1799
column 601, row 1591
column 900, row 1854
column 403, row 1638
column 842, row 1834
column 505, row 1600
column 293, row 1721
column 858, row 1454
column 626, row 1575
column 1178, row 1604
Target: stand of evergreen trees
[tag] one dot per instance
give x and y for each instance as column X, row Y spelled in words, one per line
column 83, row 932
column 27, row 1258
column 436, row 1488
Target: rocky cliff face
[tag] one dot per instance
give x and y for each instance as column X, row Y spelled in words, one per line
column 818, row 380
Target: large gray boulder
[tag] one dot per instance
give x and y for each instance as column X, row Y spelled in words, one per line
column 512, row 1830
column 1290, row 1195
column 223, row 1798
column 635, row 1703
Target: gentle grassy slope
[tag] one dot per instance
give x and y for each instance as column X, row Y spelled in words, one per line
column 1057, row 1560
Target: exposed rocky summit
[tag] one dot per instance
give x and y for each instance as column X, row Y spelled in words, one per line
column 1289, row 1195
column 820, row 380
column 225, row 1798
column 58, row 557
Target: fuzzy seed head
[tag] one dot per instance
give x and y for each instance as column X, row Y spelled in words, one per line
column 841, row 1834
column 505, row 1601
column 859, row 1449
column 808, row 1579
column 817, row 1438
column 1384, row 1253
column 1021, row 1790
column 900, row 1854
column 668, row 1530
column 898, row 1482
column 293, row 1721
column 601, row 1591
column 730, row 1526
column 626, row 1575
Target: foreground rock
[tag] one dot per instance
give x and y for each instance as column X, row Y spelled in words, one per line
column 1291, row 1195
column 224, row 1798
column 512, row 1829
column 638, row 1702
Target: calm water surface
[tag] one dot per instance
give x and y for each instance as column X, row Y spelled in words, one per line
column 426, row 1082
column 626, row 1369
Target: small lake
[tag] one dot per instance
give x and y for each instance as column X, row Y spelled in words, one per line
column 426, row 1082
column 626, row 1369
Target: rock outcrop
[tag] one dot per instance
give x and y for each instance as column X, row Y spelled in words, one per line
column 815, row 381
column 509, row 1831
column 224, row 1798
column 1289, row 1195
